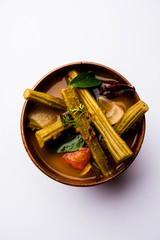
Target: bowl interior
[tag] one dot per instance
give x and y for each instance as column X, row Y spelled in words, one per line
column 46, row 84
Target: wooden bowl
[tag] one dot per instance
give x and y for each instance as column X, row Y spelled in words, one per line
column 44, row 85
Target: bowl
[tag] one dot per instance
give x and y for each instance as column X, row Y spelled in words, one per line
column 47, row 84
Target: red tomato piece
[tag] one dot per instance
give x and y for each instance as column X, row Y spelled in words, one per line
column 78, row 159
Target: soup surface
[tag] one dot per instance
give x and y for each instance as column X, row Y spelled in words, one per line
column 54, row 160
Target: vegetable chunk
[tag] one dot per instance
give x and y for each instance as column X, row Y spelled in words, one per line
column 44, row 99
column 116, row 145
column 84, row 128
column 78, row 159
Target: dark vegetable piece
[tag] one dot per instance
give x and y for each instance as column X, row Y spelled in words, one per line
column 78, row 159
column 96, row 171
column 115, row 89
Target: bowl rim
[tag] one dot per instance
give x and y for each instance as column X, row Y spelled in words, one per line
column 22, row 119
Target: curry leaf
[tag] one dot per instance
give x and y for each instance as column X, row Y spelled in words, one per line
column 85, row 80
column 71, row 144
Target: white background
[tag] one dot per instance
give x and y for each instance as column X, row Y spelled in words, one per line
column 38, row 36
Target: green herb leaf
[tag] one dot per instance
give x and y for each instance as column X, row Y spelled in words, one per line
column 74, row 122
column 72, row 143
column 85, row 80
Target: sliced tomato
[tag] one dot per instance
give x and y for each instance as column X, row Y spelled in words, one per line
column 78, row 159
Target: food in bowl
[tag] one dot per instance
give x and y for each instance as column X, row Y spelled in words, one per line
column 92, row 131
